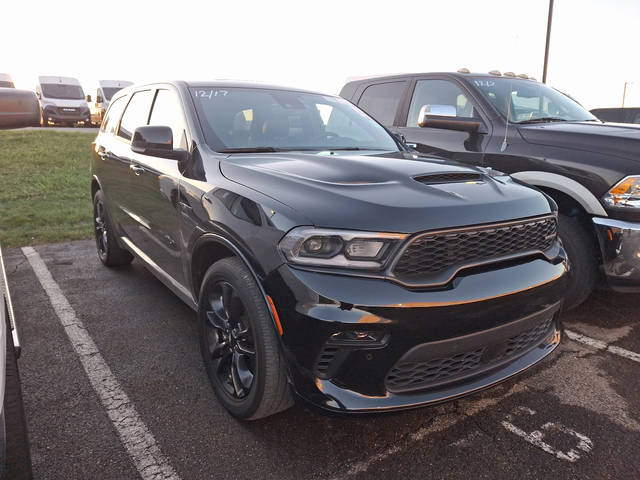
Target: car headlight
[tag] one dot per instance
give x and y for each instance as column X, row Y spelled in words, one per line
column 339, row 248
column 625, row 193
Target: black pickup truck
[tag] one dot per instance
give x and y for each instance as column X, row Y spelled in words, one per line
column 538, row 135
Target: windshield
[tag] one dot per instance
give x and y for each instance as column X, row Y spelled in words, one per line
column 529, row 101
column 110, row 91
column 60, row 90
column 262, row 119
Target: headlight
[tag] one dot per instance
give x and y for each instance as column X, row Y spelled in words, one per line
column 626, row 193
column 339, row 248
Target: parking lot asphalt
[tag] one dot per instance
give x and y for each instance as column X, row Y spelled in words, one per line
column 575, row 415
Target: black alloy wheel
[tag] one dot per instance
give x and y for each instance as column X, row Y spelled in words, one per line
column 239, row 344
column 109, row 252
column 229, row 339
column 102, row 238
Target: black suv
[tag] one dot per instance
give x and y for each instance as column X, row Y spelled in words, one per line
column 323, row 257
column 539, row 136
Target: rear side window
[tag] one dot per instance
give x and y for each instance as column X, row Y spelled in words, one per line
column 168, row 112
column 136, row 114
column 381, row 101
column 111, row 119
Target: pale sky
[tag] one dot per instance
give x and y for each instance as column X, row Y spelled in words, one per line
column 318, row 45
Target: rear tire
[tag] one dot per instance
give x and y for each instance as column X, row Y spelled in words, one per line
column 17, row 454
column 237, row 332
column 109, row 252
column 583, row 264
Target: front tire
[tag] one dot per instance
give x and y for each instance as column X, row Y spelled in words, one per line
column 582, row 254
column 239, row 345
column 109, row 252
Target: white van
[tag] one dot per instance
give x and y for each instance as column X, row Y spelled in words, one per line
column 106, row 90
column 62, row 101
column 6, row 81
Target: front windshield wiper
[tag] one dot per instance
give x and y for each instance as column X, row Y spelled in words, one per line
column 543, row 120
column 248, row 150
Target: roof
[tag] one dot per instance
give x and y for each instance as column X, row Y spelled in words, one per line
column 114, row 83
column 246, row 84
column 56, row 79
column 405, row 75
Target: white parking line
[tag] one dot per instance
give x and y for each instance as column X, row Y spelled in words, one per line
column 441, row 422
column 536, row 437
column 134, row 434
column 600, row 345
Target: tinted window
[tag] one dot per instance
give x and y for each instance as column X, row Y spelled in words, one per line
column 60, row 90
column 110, row 91
column 110, row 122
column 136, row 114
column 168, row 112
column 381, row 101
column 438, row 96
column 240, row 118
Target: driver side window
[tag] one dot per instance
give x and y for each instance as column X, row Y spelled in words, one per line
column 438, row 96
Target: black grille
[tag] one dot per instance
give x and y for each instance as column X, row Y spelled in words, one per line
column 68, row 110
column 524, row 340
column 406, row 376
column 432, row 253
column 449, row 177
column 325, row 360
column 418, row 374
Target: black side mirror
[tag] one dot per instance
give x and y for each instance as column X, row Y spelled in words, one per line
column 18, row 108
column 98, row 99
column 88, row 98
column 156, row 141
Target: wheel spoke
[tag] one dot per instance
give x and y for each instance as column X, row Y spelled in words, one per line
column 218, row 348
column 215, row 321
column 240, row 373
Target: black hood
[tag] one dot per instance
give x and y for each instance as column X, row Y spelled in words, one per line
column 622, row 140
column 379, row 192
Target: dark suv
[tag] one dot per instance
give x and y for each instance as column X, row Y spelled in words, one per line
column 323, row 257
column 539, row 136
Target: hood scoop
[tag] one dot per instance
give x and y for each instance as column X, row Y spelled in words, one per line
column 449, row 177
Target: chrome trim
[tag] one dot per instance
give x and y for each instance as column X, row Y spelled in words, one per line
column 448, row 274
column 620, row 248
column 12, row 320
column 163, row 276
column 142, row 221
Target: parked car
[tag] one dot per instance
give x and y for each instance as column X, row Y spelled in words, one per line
column 6, row 81
column 62, row 102
column 539, row 136
column 324, row 258
column 106, row 89
column 618, row 115
column 18, row 108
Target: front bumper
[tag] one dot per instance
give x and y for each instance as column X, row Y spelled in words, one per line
column 620, row 246
column 425, row 346
column 53, row 117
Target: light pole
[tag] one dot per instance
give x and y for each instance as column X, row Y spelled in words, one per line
column 624, row 92
column 546, row 48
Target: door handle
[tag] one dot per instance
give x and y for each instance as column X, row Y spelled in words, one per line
column 137, row 170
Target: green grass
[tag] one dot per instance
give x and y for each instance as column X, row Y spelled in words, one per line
column 44, row 186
